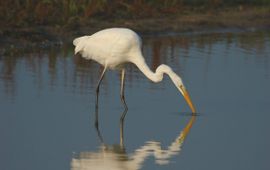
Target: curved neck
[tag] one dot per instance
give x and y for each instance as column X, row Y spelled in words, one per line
column 155, row 77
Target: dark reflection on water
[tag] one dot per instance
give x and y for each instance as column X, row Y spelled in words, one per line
column 47, row 106
column 61, row 68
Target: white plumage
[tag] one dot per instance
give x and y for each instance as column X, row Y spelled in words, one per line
column 114, row 47
column 109, row 47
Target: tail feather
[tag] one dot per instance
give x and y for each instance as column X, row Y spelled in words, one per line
column 79, row 39
column 77, row 42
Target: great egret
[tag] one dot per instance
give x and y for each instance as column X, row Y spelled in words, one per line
column 114, row 47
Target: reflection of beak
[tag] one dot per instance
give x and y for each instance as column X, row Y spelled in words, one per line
column 187, row 98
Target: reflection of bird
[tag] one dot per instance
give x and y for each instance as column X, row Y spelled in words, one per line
column 115, row 157
column 115, row 47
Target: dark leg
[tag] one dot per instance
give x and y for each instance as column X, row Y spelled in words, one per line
column 97, row 92
column 97, row 127
column 122, row 129
column 122, row 96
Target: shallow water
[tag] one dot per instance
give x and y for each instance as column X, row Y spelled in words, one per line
column 47, row 105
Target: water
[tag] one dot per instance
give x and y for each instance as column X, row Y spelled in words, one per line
column 47, row 104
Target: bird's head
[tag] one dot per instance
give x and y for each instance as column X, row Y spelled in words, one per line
column 180, row 86
column 177, row 82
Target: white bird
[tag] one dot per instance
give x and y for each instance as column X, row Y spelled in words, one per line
column 114, row 47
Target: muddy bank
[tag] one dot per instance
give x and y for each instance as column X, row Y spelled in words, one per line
column 27, row 38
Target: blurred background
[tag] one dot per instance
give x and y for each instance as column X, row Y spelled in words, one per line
column 27, row 23
column 72, row 12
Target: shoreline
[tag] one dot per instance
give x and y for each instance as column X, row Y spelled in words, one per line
column 249, row 19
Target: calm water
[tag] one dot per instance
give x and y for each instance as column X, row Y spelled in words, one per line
column 47, row 108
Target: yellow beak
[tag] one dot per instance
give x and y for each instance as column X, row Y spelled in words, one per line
column 188, row 99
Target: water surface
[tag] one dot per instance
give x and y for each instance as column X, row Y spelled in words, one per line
column 47, row 105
